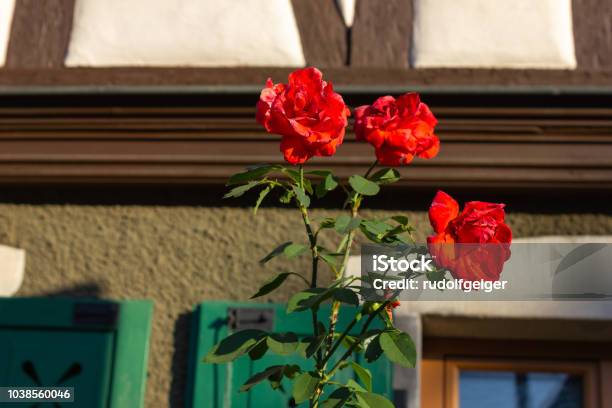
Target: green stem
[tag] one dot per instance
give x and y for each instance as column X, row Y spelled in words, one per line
column 315, row 263
column 359, row 339
column 345, row 333
column 367, row 174
column 333, row 318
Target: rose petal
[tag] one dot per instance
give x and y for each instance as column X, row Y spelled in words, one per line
column 294, row 150
column 443, row 209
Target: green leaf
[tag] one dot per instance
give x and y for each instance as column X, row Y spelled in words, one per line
column 328, row 184
column 338, row 398
column 293, row 250
column 304, row 387
column 234, row 346
column 295, row 176
column 320, row 173
column 371, row 400
column 262, row 194
column 398, row 347
column 312, row 297
column 436, row 275
column 273, row 283
column 363, row 186
column 376, row 228
column 327, row 223
column 346, row 295
column 386, row 176
column 373, row 350
column 364, row 375
column 291, row 370
column 309, row 345
column 314, row 345
column 304, row 300
column 342, row 222
column 320, row 190
column 261, row 376
column 286, row 197
column 259, row 350
column 355, row 385
column 283, row 343
column 240, row 190
column 349, row 341
column 275, row 252
column 400, row 219
column 345, row 224
column 275, row 380
column 328, row 258
column 252, row 173
column 301, row 196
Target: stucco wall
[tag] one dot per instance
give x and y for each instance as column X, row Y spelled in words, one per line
column 179, row 256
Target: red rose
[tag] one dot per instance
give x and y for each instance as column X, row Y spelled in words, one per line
column 480, row 225
column 306, row 112
column 399, row 129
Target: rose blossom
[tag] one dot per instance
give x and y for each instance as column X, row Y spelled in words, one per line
column 306, row 112
column 399, row 129
column 480, row 227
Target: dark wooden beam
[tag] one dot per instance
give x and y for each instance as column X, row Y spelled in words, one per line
column 322, row 32
column 382, row 33
column 593, row 34
column 402, row 79
column 204, row 139
column 40, row 33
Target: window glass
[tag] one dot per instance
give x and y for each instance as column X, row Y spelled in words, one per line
column 508, row 389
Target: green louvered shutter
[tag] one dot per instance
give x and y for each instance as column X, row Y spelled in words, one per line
column 98, row 347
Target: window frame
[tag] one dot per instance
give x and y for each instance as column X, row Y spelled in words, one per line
column 454, row 366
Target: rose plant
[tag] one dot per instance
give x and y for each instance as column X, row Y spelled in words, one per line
column 311, row 119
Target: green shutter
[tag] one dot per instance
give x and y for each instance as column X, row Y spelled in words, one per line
column 98, row 347
column 216, row 386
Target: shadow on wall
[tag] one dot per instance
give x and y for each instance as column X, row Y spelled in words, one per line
column 83, row 290
column 179, row 360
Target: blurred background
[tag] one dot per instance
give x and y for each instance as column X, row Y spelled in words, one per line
column 120, row 121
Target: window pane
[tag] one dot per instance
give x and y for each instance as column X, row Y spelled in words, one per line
column 507, row 389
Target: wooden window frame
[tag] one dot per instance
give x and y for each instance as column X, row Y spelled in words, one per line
column 444, row 357
column 588, row 371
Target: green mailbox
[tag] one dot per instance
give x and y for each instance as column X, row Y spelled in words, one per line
column 99, row 348
column 216, row 386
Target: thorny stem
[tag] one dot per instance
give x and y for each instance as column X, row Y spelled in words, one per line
column 330, row 346
column 359, row 339
column 333, row 318
column 315, row 263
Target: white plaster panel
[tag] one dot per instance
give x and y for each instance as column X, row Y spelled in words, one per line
column 6, row 17
column 184, row 33
column 493, row 34
column 347, row 8
column 12, row 266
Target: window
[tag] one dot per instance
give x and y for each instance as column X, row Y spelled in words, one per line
column 458, row 372
column 520, row 384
